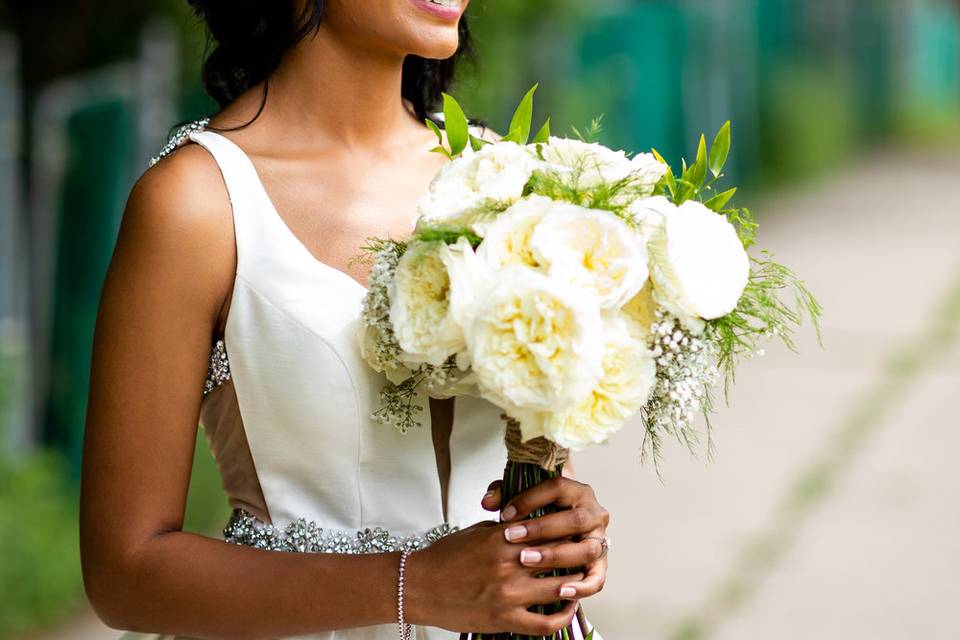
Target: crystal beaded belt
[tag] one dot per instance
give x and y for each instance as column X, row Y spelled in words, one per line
column 305, row 536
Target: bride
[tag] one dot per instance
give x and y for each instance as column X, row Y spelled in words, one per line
column 232, row 300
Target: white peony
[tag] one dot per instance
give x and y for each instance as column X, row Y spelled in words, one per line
column 420, row 303
column 629, row 374
column 592, row 249
column 698, row 264
column 494, row 176
column 535, row 344
column 595, row 164
column 507, row 237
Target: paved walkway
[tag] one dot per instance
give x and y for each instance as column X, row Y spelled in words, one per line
column 832, row 509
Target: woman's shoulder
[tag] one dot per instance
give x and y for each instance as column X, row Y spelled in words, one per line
column 179, row 214
column 183, row 189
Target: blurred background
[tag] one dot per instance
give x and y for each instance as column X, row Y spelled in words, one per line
column 831, row 509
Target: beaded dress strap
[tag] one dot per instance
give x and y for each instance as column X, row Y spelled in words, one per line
column 179, row 137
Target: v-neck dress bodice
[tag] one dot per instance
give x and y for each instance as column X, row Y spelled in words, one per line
column 304, row 399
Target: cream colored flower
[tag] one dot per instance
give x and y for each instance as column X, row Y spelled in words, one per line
column 494, row 176
column 642, row 310
column 648, row 213
column 420, row 304
column 507, row 237
column 698, row 264
column 593, row 164
column 535, row 344
column 647, row 171
column 592, row 249
column 629, row 374
column 368, row 338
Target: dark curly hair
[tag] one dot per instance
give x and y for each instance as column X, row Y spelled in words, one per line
column 250, row 37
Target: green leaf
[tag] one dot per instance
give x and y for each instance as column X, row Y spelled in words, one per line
column 519, row 131
column 720, row 150
column 719, row 201
column 436, row 130
column 698, row 172
column 442, row 151
column 669, row 179
column 477, row 143
column 455, row 122
column 543, row 136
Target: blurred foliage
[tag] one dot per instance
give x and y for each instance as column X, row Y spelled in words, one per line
column 40, row 580
column 40, row 572
column 811, row 123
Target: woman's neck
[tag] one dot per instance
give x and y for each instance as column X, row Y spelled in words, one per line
column 339, row 91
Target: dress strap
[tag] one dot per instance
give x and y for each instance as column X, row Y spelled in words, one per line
column 179, row 137
column 248, row 199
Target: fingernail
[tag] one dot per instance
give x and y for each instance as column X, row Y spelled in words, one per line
column 567, row 592
column 530, row 556
column 515, row 533
column 488, row 495
column 509, row 513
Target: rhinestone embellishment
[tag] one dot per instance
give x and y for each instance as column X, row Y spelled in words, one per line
column 219, row 370
column 305, row 536
column 178, row 138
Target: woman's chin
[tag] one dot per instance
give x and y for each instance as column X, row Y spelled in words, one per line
column 437, row 50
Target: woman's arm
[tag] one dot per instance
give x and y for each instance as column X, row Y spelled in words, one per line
column 170, row 274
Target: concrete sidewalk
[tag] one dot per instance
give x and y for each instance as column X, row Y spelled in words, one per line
column 832, row 509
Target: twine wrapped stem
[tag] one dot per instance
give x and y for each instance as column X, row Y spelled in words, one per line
column 539, row 451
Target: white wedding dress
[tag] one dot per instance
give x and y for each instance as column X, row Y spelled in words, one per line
column 287, row 408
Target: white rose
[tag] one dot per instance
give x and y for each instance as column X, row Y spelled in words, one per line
column 507, row 237
column 535, row 345
column 592, row 249
column 698, row 264
column 494, row 176
column 629, row 374
column 593, row 164
column 420, row 304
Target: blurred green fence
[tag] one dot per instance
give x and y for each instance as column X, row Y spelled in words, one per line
column 805, row 83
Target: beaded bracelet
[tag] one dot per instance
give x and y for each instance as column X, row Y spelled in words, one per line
column 406, row 630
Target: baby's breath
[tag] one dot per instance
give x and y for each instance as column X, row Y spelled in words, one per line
column 686, row 371
column 376, row 304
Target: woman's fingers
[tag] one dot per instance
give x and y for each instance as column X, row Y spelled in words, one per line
column 566, row 555
column 538, row 625
column 547, row 589
column 560, row 491
column 592, row 583
column 553, row 526
column 491, row 499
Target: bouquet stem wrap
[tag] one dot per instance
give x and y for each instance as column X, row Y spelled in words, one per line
column 528, row 464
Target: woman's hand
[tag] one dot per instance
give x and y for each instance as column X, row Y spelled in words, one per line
column 570, row 538
column 473, row 580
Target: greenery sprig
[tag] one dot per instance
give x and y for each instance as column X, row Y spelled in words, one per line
column 457, row 127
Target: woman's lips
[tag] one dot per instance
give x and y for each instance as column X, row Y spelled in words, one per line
column 445, row 9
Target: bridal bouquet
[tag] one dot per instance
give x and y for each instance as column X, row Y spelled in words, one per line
column 575, row 287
